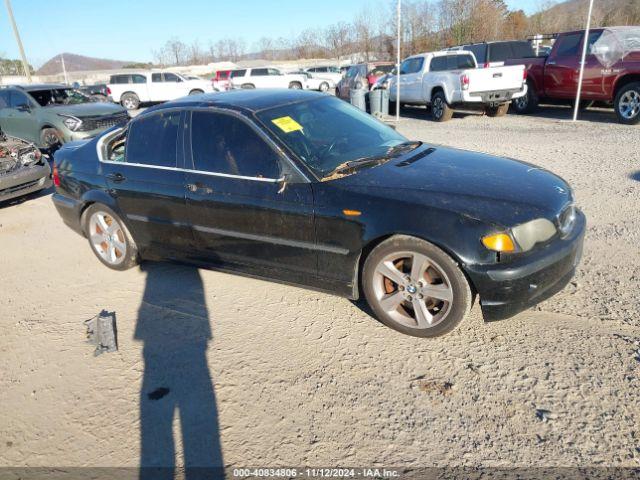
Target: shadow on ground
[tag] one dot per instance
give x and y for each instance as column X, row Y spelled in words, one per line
column 174, row 326
column 565, row 112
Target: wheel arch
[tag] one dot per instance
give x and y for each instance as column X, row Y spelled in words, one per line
column 439, row 88
column 623, row 81
column 372, row 243
column 96, row 196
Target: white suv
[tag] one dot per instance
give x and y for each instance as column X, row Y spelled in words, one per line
column 266, row 78
column 132, row 89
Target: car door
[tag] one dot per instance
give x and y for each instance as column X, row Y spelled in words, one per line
column 158, row 88
column 5, row 111
column 175, row 86
column 259, row 77
column 276, row 79
column 560, row 77
column 411, row 80
column 19, row 119
column 242, row 216
column 149, row 185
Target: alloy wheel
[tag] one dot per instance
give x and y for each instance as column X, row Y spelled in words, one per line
column 129, row 104
column 107, row 238
column 629, row 105
column 523, row 102
column 437, row 108
column 413, row 289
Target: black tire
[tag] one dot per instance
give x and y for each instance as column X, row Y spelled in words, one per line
column 50, row 138
column 248, row 86
column 130, row 257
column 324, row 87
column 440, row 109
column 527, row 104
column 197, row 91
column 499, row 111
column 130, row 101
column 625, row 113
column 453, row 279
column 295, row 86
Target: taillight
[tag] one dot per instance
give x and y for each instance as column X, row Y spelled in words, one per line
column 487, row 65
column 56, row 176
column 525, row 74
column 464, row 81
column 108, row 91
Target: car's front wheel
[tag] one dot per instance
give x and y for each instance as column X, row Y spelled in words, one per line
column 130, row 101
column 295, row 86
column 324, row 87
column 415, row 288
column 109, row 238
column 627, row 104
column 440, row 109
column 528, row 103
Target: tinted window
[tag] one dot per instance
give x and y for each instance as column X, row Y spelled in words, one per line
column 238, row 73
column 139, row 78
column 17, row 99
column 500, row 52
column 259, row 72
column 119, row 79
column 156, row 77
column 152, row 140
column 4, row 98
column 438, row 64
column 568, row 45
column 273, row 71
column 522, row 50
column 223, row 75
column 593, row 38
column 225, row 144
column 171, row 77
column 465, row 62
column 480, row 52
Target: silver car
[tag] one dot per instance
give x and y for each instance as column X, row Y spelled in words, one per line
column 23, row 169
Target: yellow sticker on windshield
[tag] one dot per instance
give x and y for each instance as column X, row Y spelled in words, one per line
column 287, row 124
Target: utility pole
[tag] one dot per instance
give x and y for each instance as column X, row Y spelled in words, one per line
column 399, row 60
column 584, row 59
column 25, row 65
column 64, row 70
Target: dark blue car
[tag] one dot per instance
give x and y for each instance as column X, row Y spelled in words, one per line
column 302, row 188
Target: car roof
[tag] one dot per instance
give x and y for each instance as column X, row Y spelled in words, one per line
column 33, row 87
column 247, row 101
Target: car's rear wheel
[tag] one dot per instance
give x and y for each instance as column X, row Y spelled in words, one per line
column 109, row 238
column 248, row 86
column 499, row 111
column 324, row 87
column 527, row 103
column 627, row 104
column 197, row 91
column 415, row 288
column 295, row 86
column 130, row 101
column 440, row 109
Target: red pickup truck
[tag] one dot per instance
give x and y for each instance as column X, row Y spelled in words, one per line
column 612, row 72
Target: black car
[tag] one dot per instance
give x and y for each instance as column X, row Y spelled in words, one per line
column 305, row 189
column 495, row 54
column 99, row 92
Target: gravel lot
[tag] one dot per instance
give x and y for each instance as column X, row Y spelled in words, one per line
column 269, row 375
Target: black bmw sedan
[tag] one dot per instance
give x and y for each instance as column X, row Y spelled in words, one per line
column 302, row 188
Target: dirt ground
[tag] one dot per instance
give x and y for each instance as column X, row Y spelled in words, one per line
column 226, row 369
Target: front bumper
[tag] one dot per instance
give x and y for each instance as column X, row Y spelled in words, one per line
column 508, row 290
column 24, row 181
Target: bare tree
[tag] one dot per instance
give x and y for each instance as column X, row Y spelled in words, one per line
column 338, row 38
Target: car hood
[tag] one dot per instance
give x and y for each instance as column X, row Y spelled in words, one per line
column 85, row 109
column 492, row 189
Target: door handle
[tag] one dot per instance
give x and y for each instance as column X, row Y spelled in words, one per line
column 199, row 187
column 551, row 63
column 116, row 177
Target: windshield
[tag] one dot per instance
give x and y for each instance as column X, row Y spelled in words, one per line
column 327, row 132
column 59, row 96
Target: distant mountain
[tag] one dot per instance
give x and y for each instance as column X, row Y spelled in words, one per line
column 77, row 63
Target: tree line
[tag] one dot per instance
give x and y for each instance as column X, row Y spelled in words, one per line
column 426, row 25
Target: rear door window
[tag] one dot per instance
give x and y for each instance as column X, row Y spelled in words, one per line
column 480, row 52
column 259, row 72
column 153, row 140
column 171, row 77
column 568, row 45
column 139, row 79
column 238, row 73
column 225, row 144
column 156, row 77
column 500, row 52
column 438, row 64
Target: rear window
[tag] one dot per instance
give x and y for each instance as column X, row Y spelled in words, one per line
column 238, row 73
column 438, row 64
column 523, row 50
column 500, row 52
column 223, row 75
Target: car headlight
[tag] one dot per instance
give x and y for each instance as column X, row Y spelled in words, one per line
column 521, row 238
column 72, row 123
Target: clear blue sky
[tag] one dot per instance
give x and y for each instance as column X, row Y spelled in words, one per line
column 131, row 29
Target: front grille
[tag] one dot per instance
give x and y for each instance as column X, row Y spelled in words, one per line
column 567, row 220
column 102, row 122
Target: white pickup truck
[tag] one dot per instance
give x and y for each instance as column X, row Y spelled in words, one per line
column 446, row 80
column 267, row 78
column 132, row 89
